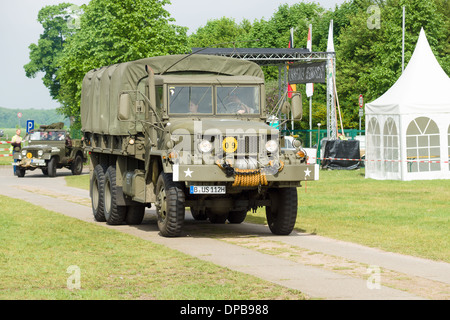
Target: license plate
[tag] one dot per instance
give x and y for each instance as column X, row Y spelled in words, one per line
column 38, row 162
column 207, row 190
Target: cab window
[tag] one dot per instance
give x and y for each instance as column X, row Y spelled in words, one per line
column 185, row 100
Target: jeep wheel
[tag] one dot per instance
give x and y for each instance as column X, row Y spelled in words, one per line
column 282, row 213
column 114, row 214
column 97, row 189
column 51, row 167
column 44, row 171
column 20, row 172
column 170, row 201
column 77, row 165
column 135, row 215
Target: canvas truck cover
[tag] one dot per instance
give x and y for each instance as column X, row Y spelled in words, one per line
column 102, row 87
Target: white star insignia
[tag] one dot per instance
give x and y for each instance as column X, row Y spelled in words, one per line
column 188, row 173
column 307, row 172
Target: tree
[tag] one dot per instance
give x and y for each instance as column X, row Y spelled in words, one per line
column 115, row 31
column 43, row 55
column 220, row 32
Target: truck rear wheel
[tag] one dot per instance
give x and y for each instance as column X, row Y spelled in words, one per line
column 282, row 213
column 97, row 189
column 114, row 214
column 170, row 201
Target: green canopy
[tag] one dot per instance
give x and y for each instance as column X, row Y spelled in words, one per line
column 102, row 87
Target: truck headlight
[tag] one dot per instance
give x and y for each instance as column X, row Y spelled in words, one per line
column 205, row 146
column 272, row 146
column 40, row 153
column 24, row 153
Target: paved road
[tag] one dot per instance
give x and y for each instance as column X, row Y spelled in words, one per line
column 319, row 267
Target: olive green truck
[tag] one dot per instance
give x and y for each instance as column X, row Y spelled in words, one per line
column 188, row 131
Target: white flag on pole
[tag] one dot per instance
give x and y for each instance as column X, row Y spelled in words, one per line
column 309, row 86
column 330, row 45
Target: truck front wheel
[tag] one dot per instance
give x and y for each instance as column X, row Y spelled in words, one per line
column 135, row 215
column 282, row 213
column 170, row 201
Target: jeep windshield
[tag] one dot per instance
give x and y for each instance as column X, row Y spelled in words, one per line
column 47, row 136
column 208, row 100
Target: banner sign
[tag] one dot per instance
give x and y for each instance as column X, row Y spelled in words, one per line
column 308, row 73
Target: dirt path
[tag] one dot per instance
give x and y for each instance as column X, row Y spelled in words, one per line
column 319, row 267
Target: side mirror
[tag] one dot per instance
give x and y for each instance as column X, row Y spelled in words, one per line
column 297, row 108
column 124, row 106
column 285, row 108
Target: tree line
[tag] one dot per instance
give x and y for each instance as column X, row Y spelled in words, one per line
column 367, row 39
column 9, row 118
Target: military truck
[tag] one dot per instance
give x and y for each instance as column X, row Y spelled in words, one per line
column 188, row 131
column 50, row 148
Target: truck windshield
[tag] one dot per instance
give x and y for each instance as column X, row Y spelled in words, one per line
column 237, row 100
column 47, row 136
column 190, row 100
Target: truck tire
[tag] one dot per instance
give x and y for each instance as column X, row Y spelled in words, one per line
column 282, row 213
column 237, row 216
column 217, row 218
column 77, row 165
column 51, row 167
column 170, row 200
column 114, row 214
column 97, row 189
column 135, row 215
column 198, row 214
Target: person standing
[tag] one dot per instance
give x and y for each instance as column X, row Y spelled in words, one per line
column 16, row 145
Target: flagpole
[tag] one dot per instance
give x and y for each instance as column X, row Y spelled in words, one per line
column 309, row 45
column 403, row 41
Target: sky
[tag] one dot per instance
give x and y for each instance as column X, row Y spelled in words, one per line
column 19, row 28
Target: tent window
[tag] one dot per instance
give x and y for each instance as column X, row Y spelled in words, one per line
column 448, row 143
column 373, row 145
column 422, row 145
column 391, row 146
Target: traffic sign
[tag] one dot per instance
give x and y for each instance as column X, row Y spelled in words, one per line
column 30, row 125
column 19, row 115
column 361, row 101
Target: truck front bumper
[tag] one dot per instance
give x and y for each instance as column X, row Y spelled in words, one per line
column 213, row 173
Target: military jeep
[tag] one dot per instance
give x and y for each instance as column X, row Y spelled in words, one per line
column 48, row 149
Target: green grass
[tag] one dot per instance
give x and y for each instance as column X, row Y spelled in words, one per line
column 38, row 247
column 408, row 217
column 80, row 182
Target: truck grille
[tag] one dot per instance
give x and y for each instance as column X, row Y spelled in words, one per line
column 246, row 145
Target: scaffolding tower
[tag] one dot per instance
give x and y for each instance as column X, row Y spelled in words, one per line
column 282, row 58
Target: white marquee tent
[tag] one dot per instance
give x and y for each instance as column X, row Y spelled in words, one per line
column 408, row 127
